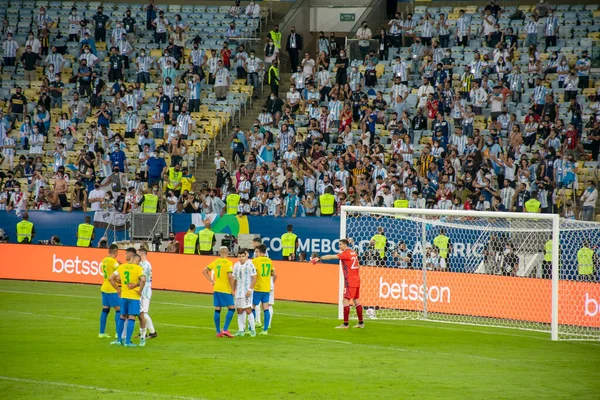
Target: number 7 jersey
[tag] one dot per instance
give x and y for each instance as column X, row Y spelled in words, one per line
column 264, row 268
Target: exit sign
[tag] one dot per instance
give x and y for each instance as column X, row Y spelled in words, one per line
column 347, row 17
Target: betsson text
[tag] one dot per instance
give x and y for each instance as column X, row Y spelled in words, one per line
column 413, row 292
column 76, row 266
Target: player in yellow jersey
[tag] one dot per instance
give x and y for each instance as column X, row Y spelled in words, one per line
column 262, row 289
column 222, row 281
column 133, row 280
column 110, row 297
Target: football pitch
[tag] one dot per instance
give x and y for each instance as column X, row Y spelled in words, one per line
column 49, row 349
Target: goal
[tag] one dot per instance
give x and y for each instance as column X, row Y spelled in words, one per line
column 511, row 270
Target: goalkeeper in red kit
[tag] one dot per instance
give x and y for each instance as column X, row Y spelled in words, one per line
column 350, row 268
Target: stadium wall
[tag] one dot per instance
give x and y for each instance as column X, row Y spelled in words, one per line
column 449, row 293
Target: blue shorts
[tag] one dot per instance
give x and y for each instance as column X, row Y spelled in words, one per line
column 130, row 307
column 221, row 299
column 111, row 300
column 261, row 297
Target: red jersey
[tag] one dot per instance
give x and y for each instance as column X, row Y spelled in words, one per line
column 349, row 260
column 572, row 139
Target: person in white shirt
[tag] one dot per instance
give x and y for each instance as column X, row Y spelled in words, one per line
column 363, row 35
column 308, row 65
column 222, row 81
column 160, row 24
column 244, row 275
column 95, row 197
column 293, row 98
column 252, row 10
column 172, row 201
column 479, row 98
column 36, row 142
column 424, row 91
column 36, row 45
column 145, row 320
column 253, row 66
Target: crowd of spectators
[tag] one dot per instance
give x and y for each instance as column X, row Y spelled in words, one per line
column 484, row 134
column 410, row 122
column 75, row 80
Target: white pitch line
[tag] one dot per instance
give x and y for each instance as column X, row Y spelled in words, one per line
column 43, row 315
column 399, row 323
column 270, row 334
column 96, row 388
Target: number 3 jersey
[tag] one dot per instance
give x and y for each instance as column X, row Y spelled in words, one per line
column 350, row 267
column 243, row 274
column 264, row 267
column 129, row 273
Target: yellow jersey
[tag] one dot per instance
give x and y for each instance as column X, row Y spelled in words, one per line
column 221, row 268
column 186, row 182
column 130, row 273
column 264, row 269
column 109, row 265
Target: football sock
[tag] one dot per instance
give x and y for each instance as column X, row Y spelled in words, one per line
column 120, row 325
column 130, row 327
column 143, row 333
column 124, row 330
column 346, row 314
column 257, row 314
column 267, row 320
column 149, row 323
column 117, row 319
column 217, row 318
column 228, row 318
column 359, row 312
column 241, row 322
column 103, row 317
column 271, row 313
column 251, row 321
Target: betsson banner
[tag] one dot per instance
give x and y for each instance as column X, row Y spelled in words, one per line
column 296, row 281
column 450, row 293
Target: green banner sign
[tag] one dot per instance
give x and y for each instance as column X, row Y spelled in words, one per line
column 347, row 17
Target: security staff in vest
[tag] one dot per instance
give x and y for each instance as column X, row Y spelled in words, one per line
column 25, row 230
column 547, row 263
column 276, row 36
column 232, row 202
column 273, row 77
column 85, row 233
column 327, row 202
column 289, row 244
column 173, row 178
column 586, row 260
column 190, row 241
column 442, row 242
column 533, row 204
column 206, row 240
column 150, row 201
column 401, row 202
column 379, row 243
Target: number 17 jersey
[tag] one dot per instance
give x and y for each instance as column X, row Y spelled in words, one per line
column 264, row 267
column 350, row 267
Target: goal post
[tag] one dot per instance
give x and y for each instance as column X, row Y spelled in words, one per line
column 511, row 270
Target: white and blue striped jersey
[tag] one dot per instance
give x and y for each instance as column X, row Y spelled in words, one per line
column 147, row 292
column 243, row 273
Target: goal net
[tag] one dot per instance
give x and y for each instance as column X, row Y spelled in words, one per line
column 512, row 270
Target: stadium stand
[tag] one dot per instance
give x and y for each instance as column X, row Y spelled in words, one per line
column 501, row 121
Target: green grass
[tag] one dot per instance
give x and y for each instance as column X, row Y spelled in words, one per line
column 49, row 349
